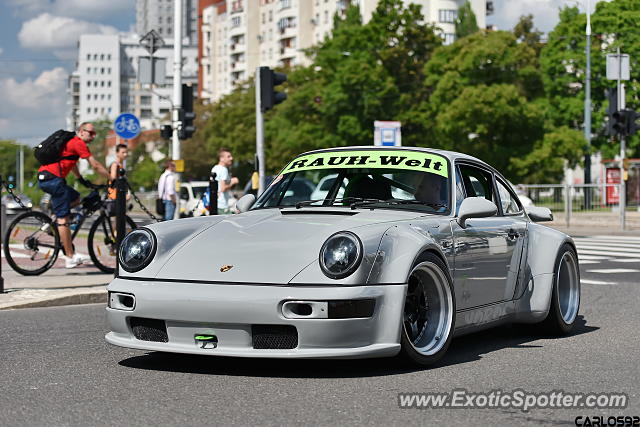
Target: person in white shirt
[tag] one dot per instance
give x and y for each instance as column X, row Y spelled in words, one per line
column 225, row 181
column 167, row 189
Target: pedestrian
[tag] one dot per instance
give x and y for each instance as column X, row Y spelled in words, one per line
column 122, row 152
column 167, row 189
column 52, row 180
column 225, row 181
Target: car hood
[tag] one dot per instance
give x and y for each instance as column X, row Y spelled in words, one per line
column 266, row 246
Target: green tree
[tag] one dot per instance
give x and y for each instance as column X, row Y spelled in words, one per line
column 614, row 24
column 466, row 23
column 486, row 99
column 525, row 33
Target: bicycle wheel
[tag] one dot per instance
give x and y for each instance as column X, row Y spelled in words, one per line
column 32, row 243
column 102, row 242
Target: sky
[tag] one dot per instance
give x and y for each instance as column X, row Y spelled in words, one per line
column 38, row 50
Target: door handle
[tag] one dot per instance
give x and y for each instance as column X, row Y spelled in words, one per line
column 513, row 234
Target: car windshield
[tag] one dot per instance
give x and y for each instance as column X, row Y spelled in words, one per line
column 395, row 179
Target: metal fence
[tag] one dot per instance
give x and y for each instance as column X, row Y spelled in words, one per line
column 586, row 205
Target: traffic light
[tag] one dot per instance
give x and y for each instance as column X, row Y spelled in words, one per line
column 612, row 96
column 166, row 131
column 269, row 97
column 632, row 122
column 619, row 122
column 186, row 114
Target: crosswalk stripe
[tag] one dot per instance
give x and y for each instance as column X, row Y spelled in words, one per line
column 635, row 238
column 614, row 270
column 607, row 248
column 627, row 260
column 607, row 242
column 595, row 282
column 610, row 253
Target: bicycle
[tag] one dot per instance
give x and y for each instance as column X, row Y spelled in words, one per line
column 32, row 241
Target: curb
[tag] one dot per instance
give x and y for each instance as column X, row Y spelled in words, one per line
column 92, row 296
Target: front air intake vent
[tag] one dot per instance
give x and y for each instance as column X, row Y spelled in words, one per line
column 274, row 337
column 149, row 329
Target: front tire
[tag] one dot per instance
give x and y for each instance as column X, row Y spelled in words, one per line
column 102, row 242
column 429, row 312
column 565, row 298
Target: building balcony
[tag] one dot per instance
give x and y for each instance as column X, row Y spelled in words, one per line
column 287, row 32
column 239, row 30
column 288, row 52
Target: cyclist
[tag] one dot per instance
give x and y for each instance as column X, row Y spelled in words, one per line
column 51, row 179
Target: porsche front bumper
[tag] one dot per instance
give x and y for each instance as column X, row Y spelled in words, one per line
column 232, row 312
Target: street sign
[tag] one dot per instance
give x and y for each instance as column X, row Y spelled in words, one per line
column 387, row 133
column 147, row 75
column 152, row 41
column 127, row 126
column 614, row 63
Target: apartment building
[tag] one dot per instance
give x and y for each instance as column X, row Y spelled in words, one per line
column 105, row 82
column 158, row 15
column 237, row 36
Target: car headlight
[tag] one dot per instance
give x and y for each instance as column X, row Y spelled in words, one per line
column 340, row 255
column 137, row 250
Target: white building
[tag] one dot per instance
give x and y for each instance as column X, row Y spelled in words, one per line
column 105, row 83
column 158, row 15
column 240, row 35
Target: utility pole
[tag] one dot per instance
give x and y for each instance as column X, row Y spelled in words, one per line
column 259, row 134
column 587, row 110
column 21, row 176
column 621, row 106
column 177, row 89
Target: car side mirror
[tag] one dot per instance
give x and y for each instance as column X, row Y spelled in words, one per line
column 539, row 213
column 245, row 202
column 475, row 207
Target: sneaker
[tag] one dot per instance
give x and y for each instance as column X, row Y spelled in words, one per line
column 76, row 260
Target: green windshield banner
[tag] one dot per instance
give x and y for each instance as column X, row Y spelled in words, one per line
column 374, row 159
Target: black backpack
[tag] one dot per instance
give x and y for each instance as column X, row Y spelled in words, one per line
column 48, row 151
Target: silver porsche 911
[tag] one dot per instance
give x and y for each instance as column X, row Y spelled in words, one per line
column 400, row 250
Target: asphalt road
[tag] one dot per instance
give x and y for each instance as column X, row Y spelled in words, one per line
column 56, row 369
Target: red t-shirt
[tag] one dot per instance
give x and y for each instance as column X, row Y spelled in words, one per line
column 75, row 147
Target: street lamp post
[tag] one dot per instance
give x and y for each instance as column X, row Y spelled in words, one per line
column 587, row 105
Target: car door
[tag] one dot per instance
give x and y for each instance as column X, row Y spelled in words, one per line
column 516, row 228
column 483, row 249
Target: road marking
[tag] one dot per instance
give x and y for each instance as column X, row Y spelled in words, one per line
column 16, row 255
column 592, row 257
column 594, row 282
column 608, row 248
column 588, row 261
column 631, row 238
column 626, row 260
column 610, row 253
column 613, row 270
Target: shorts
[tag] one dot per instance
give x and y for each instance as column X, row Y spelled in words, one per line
column 61, row 195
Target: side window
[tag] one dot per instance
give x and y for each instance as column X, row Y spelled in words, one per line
column 184, row 193
column 509, row 202
column 459, row 190
column 477, row 182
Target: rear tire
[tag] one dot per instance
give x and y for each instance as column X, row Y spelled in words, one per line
column 35, row 242
column 429, row 312
column 565, row 298
column 102, row 242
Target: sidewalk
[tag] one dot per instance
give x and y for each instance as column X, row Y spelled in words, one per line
column 82, row 285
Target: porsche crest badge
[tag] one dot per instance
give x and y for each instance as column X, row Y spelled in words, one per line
column 225, row 268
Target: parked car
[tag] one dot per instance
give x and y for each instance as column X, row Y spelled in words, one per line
column 12, row 206
column 191, row 198
column 367, row 274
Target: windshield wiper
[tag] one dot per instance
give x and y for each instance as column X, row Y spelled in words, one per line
column 298, row 205
column 396, row 202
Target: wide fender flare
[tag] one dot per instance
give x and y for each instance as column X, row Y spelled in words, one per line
column 400, row 247
column 533, row 296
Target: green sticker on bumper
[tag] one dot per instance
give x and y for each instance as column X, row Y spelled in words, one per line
column 372, row 159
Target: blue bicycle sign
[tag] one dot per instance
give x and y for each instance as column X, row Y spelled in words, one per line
column 127, row 126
